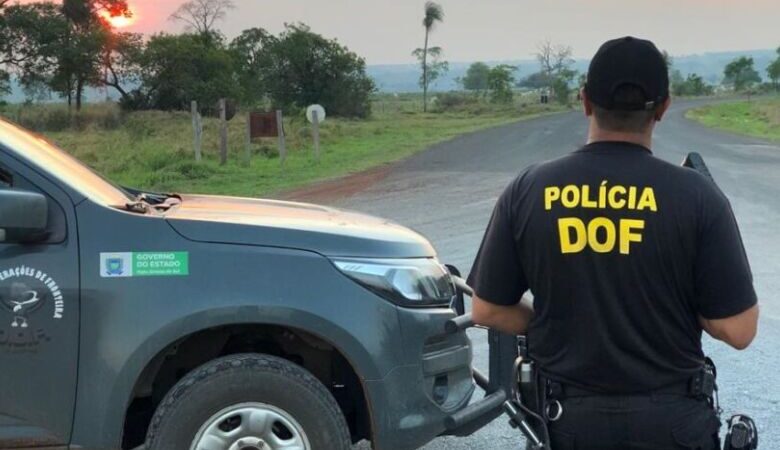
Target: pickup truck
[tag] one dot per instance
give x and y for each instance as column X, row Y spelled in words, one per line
column 133, row 319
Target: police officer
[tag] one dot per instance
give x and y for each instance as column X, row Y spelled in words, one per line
column 628, row 258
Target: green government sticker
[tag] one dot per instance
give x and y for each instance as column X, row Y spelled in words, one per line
column 148, row 264
column 144, row 264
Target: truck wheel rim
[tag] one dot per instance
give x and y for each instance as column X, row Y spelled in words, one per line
column 251, row 426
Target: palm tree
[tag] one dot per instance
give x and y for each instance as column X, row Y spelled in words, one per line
column 433, row 14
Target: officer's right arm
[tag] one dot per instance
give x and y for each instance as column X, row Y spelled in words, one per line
column 509, row 319
column 737, row 331
column 725, row 298
column 497, row 276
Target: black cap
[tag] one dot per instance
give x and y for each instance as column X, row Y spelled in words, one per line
column 628, row 61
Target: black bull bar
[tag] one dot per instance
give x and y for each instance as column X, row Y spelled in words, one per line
column 503, row 351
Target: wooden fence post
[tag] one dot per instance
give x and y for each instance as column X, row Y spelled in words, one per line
column 197, row 129
column 280, row 130
column 315, row 131
column 223, row 132
column 248, row 149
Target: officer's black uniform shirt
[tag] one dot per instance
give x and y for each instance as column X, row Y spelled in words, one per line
column 622, row 252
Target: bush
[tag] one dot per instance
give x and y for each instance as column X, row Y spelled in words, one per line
column 455, row 101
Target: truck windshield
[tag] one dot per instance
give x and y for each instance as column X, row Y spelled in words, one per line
column 53, row 160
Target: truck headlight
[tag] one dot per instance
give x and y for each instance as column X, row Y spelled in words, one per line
column 414, row 282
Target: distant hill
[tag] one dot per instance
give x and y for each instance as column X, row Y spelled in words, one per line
column 404, row 77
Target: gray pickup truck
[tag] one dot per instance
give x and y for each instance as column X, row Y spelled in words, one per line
column 132, row 319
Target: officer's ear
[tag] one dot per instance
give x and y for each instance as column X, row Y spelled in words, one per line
column 659, row 113
column 587, row 106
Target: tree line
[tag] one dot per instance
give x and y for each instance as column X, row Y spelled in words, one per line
column 63, row 48
column 557, row 77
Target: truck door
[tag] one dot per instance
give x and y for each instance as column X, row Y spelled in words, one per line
column 39, row 320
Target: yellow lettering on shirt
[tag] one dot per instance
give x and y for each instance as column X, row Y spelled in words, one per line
column 551, row 194
column 601, row 223
column 565, row 227
column 614, row 201
column 627, row 234
column 647, row 201
column 587, row 202
column 570, row 196
column 600, row 234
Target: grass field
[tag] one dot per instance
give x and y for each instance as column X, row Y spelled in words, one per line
column 153, row 150
column 759, row 118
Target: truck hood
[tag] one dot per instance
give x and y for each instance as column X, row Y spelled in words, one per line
column 324, row 230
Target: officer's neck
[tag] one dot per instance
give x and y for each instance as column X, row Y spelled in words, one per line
column 596, row 134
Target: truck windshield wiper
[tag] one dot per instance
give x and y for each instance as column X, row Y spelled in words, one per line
column 155, row 199
column 149, row 201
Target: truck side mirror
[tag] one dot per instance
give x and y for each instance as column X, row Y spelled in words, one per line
column 24, row 216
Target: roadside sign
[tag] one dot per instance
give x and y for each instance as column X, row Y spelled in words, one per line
column 320, row 113
column 316, row 115
column 263, row 124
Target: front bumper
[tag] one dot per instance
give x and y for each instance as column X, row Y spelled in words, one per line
column 411, row 403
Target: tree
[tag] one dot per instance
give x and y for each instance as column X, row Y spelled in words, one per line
column 476, row 78
column 200, row 16
column 59, row 48
column 121, row 61
column 177, row 69
column 78, row 62
column 300, row 67
column 85, row 46
column 677, row 82
column 555, row 61
column 561, row 85
column 433, row 15
column 500, row 81
column 536, row 80
column 251, row 52
column 741, row 74
column 773, row 71
column 85, row 12
column 434, row 67
column 30, row 39
column 693, row 86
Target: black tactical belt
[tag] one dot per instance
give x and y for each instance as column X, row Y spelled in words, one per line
column 701, row 386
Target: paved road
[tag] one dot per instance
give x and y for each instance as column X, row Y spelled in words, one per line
column 448, row 192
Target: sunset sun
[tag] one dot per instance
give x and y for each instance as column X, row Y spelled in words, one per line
column 120, row 21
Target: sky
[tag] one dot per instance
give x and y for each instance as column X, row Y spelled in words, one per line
column 386, row 31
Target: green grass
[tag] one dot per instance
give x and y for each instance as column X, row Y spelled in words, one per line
column 759, row 118
column 153, row 150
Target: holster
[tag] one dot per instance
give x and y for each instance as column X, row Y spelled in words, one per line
column 704, row 384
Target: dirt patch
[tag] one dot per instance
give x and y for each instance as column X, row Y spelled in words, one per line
column 339, row 188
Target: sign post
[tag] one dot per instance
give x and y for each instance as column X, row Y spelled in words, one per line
column 316, row 114
column 315, row 131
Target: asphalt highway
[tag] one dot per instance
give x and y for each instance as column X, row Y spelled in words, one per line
column 447, row 193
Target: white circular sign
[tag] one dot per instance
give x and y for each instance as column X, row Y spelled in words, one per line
column 320, row 113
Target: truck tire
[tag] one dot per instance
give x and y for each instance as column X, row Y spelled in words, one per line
column 248, row 402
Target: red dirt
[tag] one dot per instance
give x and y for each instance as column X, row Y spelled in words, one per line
column 346, row 186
